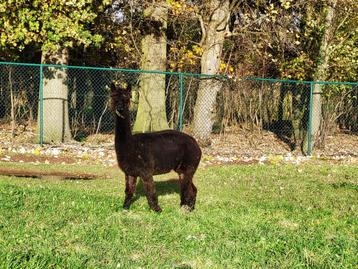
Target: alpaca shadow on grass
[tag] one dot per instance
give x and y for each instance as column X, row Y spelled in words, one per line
column 162, row 187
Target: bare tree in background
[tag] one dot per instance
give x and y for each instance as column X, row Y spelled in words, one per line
column 55, row 98
column 321, row 74
column 214, row 25
column 151, row 115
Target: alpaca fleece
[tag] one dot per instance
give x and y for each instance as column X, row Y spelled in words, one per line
column 148, row 154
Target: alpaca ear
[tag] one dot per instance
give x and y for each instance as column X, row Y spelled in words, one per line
column 129, row 90
column 128, row 93
column 113, row 87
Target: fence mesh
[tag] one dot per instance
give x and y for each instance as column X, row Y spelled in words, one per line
column 300, row 114
column 19, row 92
column 277, row 107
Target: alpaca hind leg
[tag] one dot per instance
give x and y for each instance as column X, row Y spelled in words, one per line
column 187, row 190
column 130, row 189
column 182, row 188
column 150, row 192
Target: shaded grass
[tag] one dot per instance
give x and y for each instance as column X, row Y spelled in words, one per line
column 246, row 217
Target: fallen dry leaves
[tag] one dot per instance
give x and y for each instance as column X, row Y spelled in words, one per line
column 235, row 147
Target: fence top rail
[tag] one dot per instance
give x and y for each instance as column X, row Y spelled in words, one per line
column 180, row 73
column 115, row 69
column 301, row 81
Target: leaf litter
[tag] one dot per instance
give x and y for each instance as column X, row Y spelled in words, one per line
column 236, row 147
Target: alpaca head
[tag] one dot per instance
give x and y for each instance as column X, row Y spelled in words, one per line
column 121, row 97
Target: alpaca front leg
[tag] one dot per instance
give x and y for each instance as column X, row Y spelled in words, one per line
column 149, row 189
column 187, row 191
column 130, row 189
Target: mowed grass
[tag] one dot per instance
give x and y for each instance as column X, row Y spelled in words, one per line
column 271, row 216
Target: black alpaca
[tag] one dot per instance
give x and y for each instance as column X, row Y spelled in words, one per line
column 148, row 154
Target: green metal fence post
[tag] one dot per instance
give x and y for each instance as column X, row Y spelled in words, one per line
column 41, row 105
column 309, row 129
column 181, row 101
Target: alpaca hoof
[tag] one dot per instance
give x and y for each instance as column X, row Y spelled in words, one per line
column 157, row 209
column 187, row 208
column 126, row 205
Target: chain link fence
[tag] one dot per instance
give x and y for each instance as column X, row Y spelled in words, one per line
column 62, row 102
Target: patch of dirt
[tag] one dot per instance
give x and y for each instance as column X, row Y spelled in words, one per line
column 340, row 144
column 245, row 146
column 45, row 174
column 32, row 158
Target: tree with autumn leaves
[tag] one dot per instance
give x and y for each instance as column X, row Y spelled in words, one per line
column 52, row 28
column 282, row 39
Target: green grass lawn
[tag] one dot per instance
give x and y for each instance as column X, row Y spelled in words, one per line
column 270, row 216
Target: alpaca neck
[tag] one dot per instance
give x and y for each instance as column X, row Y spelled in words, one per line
column 123, row 132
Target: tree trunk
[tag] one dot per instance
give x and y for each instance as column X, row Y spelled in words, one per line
column 321, row 74
column 56, row 127
column 151, row 114
column 214, row 27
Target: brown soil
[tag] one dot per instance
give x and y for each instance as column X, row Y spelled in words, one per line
column 44, row 174
column 245, row 143
column 27, row 158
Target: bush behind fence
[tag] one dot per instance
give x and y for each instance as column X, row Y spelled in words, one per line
column 286, row 108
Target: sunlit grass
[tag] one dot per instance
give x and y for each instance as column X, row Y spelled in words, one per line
column 246, row 217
